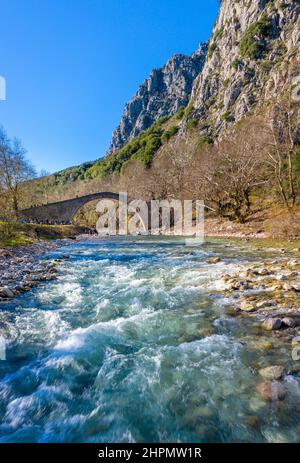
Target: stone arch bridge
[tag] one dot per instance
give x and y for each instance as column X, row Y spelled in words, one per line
column 62, row 211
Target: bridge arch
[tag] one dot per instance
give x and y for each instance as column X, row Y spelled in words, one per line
column 63, row 212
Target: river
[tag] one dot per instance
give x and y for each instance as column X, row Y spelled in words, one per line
column 132, row 343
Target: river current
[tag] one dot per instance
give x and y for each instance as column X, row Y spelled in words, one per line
column 132, row 343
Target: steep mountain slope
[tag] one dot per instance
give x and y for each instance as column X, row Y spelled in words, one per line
column 253, row 56
column 162, row 94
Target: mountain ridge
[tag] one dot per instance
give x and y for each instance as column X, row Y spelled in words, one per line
column 166, row 90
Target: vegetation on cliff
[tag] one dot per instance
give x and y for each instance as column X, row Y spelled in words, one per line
column 141, row 148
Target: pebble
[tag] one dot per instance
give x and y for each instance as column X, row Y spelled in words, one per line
column 287, row 287
column 296, row 341
column 251, row 421
column 263, row 271
column 213, row 260
column 293, row 263
column 256, row 404
column 262, row 304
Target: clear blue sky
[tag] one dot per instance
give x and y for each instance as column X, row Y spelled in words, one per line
column 71, row 65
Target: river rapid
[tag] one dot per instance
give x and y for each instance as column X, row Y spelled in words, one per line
column 132, row 343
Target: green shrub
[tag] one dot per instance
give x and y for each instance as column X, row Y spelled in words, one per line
column 71, row 175
column 226, row 83
column 205, row 140
column 251, row 47
column 188, row 110
column 226, row 116
column 192, row 124
column 211, row 49
column 235, row 63
column 168, row 134
column 142, row 148
column 18, row 241
column 219, row 33
column 180, row 113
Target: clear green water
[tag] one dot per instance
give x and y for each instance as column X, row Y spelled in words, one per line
column 132, row 343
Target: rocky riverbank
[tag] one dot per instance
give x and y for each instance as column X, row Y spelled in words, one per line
column 269, row 294
column 21, row 268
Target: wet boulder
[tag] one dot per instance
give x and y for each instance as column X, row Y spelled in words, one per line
column 270, row 391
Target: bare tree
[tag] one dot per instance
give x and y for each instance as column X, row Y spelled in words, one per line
column 14, row 169
column 228, row 172
column 282, row 149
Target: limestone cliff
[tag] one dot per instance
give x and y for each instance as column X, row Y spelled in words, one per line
column 162, row 94
column 253, row 56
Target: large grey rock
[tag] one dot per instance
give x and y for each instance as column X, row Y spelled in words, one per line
column 272, row 324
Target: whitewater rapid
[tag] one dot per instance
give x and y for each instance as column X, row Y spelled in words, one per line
column 131, row 343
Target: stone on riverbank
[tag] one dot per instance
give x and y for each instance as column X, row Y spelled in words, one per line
column 6, row 292
column 213, row 260
column 272, row 324
column 272, row 373
column 247, row 307
column 296, row 341
column 289, row 322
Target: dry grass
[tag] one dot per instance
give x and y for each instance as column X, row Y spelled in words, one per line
column 268, row 221
column 23, row 234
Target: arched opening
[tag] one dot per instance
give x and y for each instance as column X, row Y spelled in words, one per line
column 87, row 215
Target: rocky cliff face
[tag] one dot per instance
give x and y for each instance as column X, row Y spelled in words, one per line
column 166, row 90
column 253, row 56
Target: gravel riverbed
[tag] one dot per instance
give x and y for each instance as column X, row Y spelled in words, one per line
column 22, row 268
